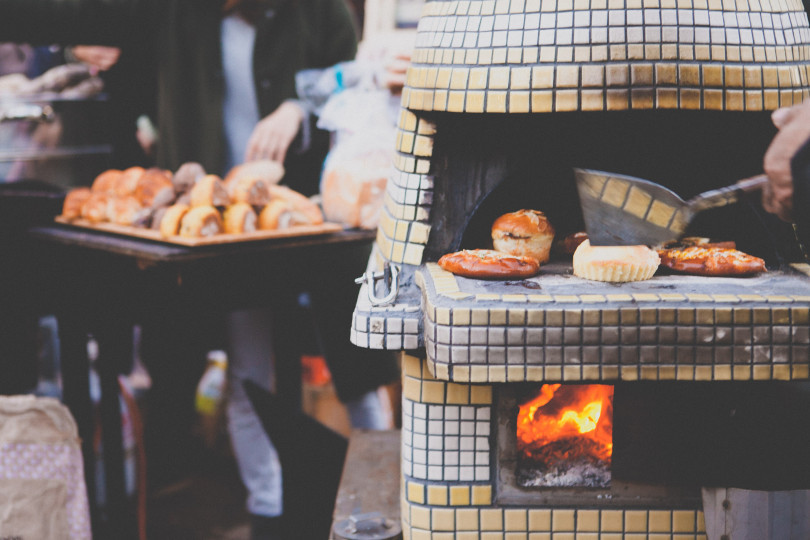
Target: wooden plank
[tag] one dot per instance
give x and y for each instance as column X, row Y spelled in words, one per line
column 371, row 475
column 151, row 234
column 742, row 514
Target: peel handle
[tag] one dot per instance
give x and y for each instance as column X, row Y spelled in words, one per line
column 726, row 195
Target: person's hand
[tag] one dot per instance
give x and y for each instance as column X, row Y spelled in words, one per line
column 102, row 58
column 396, row 72
column 272, row 136
column 794, row 130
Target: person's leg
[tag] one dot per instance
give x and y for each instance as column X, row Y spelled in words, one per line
column 250, row 357
column 368, row 412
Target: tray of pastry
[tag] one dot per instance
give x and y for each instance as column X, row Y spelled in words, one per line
column 190, row 207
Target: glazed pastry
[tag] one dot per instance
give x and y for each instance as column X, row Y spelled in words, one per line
column 209, row 191
column 526, row 233
column 186, row 176
column 170, row 222
column 264, row 169
column 201, row 221
column 106, row 181
column 128, row 181
column 570, row 242
column 239, row 218
column 95, row 207
column 154, row 188
column 618, row 264
column 74, row 200
column 249, row 190
column 298, row 202
column 711, row 261
column 126, row 210
column 489, row 264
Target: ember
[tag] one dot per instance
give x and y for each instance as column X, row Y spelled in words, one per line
column 565, row 436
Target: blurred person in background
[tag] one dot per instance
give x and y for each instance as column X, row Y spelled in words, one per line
column 225, row 93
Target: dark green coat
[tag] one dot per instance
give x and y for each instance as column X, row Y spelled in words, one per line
column 183, row 37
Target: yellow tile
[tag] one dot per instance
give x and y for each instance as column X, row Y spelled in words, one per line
column 617, row 100
column 478, row 78
column 593, row 76
column 660, row 521
column 666, row 98
column 591, row 373
column 518, row 102
column 683, row 521
column 420, row 517
column 690, row 99
column 497, row 374
column 457, row 394
column 444, row 519
column 515, row 520
column 411, row 388
column 660, row 213
column 762, row 373
column 475, row 102
column 499, row 78
column 542, row 101
column 753, row 100
column 480, row 395
column 572, row 373
column 479, row 374
column 592, row 100
column 618, row 75
column 610, row 373
column 521, row 78
column 455, row 102
column 437, row 495
column 615, row 192
column 432, row 392
column 649, row 373
column 641, row 74
column 635, row 521
column 553, row 373
column 666, row 74
column 460, row 496
column 734, row 100
column 587, row 521
column 411, row 365
column 703, row 373
column 491, row 518
column 800, row 372
column 540, row 520
column 496, row 102
column 467, row 518
column 562, row 520
column 467, row 536
column 689, row 75
column 416, row 493
column 567, row 76
column 612, row 521
column 781, row 372
column 482, row 496
column 752, row 76
column 543, row 77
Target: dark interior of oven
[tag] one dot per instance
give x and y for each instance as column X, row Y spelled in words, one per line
column 672, row 438
column 487, row 165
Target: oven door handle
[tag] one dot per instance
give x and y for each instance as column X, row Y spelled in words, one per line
column 389, row 276
column 27, row 112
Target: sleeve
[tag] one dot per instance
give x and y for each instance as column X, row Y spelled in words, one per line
column 800, row 170
column 339, row 34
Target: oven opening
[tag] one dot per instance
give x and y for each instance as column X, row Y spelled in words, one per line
column 564, row 436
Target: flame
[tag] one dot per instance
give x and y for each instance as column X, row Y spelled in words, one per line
column 581, row 415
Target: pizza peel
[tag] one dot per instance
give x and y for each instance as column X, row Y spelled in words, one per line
column 621, row 210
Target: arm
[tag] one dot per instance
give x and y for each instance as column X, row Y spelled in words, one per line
column 794, row 132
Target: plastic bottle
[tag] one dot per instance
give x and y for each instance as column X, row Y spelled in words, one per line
column 210, row 395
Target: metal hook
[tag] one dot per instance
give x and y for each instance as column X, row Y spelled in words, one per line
column 389, row 275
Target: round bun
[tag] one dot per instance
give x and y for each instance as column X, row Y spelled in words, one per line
column 239, row 218
column 128, row 181
column 489, row 264
column 186, row 176
column 74, row 200
column 106, row 181
column 618, row 264
column 170, row 220
column 209, row 191
column 201, row 221
column 264, row 169
column 711, row 261
column 525, row 233
column 249, row 190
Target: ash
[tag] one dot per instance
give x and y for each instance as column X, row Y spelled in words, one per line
column 581, row 472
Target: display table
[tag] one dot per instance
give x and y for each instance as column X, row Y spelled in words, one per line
column 101, row 284
column 371, row 475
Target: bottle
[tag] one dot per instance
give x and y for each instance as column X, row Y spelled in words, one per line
column 210, row 395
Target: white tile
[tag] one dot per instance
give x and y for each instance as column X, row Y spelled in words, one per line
column 435, row 427
column 467, row 443
column 565, row 19
column 419, row 441
column 435, row 442
column 533, row 20
column 481, row 474
column 599, row 17
column 617, row 17
column 467, row 428
column 482, row 429
column 652, row 34
column 487, row 23
column 393, row 342
column 599, row 35
column 435, row 457
column 470, row 39
column 652, row 16
column 635, row 34
column 419, row 426
column 451, row 427
column 686, row 34
column 411, row 342
column 419, row 457
column 466, row 474
column 407, row 468
column 501, row 22
column 458, row 41
column 435, row 412
column 483, row 413
column 546, row 37
column 634, row 17
column 669, row 34
column 730, row 19
column 473, row 23
column 451, row 412
column 467, row 413
column 451, row 458
column 419, row 410
column 499, row 38
column 482, row 444
column 514, row 38
column 485, row 39
column 419, row 471
column 451, row 474
column 548, row 20
column 582, row 18
column 451, row 443
column 516, row 21
column 615, row 35
column 701, row 17
column 435, row 473
column 732, row 36
column 467, row 458
column 582, row 35
column 530, row 38
column 482, row 458
column 701, row 35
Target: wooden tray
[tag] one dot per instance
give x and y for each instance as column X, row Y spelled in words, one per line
column 150, row 234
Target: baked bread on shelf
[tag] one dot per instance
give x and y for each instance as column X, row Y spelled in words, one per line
column 489, row 264
column 526, row 233
column 248, row 189
column 171, row 219
column 618, row 264
column 74, row 200
column 239, row 218
column 154, row 188
column 209, row 191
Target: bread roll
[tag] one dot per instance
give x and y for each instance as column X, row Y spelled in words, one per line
column 352, row 197
column 154, row 188
column 128, row 181
column 239, row 218
column 186, row 176
column 170, row 222
column 525, row 233
column 74, row 200
column 249, row 190
column 95, row 208
column 126, row 210
column 617, row 264
column 308, row 210
column 264, row 169
column 106, row 181
column 201, row 221
column 209, row 191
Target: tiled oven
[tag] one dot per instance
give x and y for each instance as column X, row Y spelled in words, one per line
column 555, row 407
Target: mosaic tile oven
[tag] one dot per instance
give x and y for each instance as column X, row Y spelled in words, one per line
column 503, row 97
